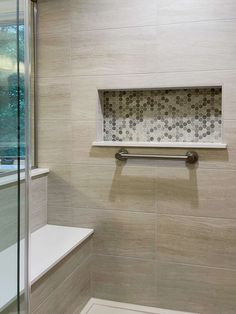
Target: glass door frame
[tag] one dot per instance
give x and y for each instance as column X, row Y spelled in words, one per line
column 29, row 11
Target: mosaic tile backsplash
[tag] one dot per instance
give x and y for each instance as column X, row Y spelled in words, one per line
column 163, row 115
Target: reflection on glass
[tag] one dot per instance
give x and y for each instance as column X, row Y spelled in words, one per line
column 10, row 91
column 12, row 155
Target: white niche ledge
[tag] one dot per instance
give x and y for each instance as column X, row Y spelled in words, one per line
column 162, row 144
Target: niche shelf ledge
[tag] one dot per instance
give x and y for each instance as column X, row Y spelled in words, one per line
column 160, row 145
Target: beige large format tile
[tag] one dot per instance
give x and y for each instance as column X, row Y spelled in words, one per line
column 9, row 210
column 61, row 215
column 59, row 185
column 38, row 203
column 54, row 100
column 126, row 234
column 83, row 134
column 8, row 216
column 53, row 16
column 113, row 51
column 110, row 187
column 179, row 11
column 217, row 158
column 54, row 141
column 196, row 289
column 92, row 14
column 176, row 47
column 85, row 99
column 229, row 133
column 200, row 241
column 196, row 46
column 124, row 280
column 196, row 192
column 53, row 55
column 117, row 233
column 46, row 286
column 70, row 294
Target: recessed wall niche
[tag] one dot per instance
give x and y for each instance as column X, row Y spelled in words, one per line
column 171, row 117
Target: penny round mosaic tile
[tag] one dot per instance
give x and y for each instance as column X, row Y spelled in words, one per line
column 163, row 115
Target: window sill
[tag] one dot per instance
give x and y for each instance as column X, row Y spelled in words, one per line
column 12, row 178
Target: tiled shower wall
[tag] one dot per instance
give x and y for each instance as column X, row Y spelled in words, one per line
column 8, row 209
column 165, row 233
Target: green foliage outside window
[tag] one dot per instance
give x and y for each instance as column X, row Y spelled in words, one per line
column 9, row 110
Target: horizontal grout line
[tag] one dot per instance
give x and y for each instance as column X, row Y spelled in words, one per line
column 156, row 25
column 125, row 257
column 227, row 20
column 156, row 166
column 164, row 262
column 103, row 210
column 61, row 283
column 54, row 164
column 112, row 28
column 229, row 169
column 200, row 266
column 153, row 213
column 142, row 165
column 99, row 75
column 137, row 73
column 192, row 216
column 72, row 32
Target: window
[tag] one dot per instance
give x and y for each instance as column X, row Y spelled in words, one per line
column 12, row 112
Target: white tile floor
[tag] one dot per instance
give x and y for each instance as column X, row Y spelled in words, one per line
column 97, row 306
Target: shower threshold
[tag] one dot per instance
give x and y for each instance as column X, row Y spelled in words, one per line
column 99, row 306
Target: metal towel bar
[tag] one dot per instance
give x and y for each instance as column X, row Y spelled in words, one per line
column 190, row 157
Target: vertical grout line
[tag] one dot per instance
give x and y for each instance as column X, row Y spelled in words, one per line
column 156, row 229
column 70, row 102
column 36, row 111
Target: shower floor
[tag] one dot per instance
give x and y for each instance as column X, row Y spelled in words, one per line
column 98, row 306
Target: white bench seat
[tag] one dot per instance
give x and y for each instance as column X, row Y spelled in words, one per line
column 49, row 245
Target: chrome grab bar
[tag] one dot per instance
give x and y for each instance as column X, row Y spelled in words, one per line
column 190, row 157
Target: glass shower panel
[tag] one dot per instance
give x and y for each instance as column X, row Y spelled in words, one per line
column 12, row 156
